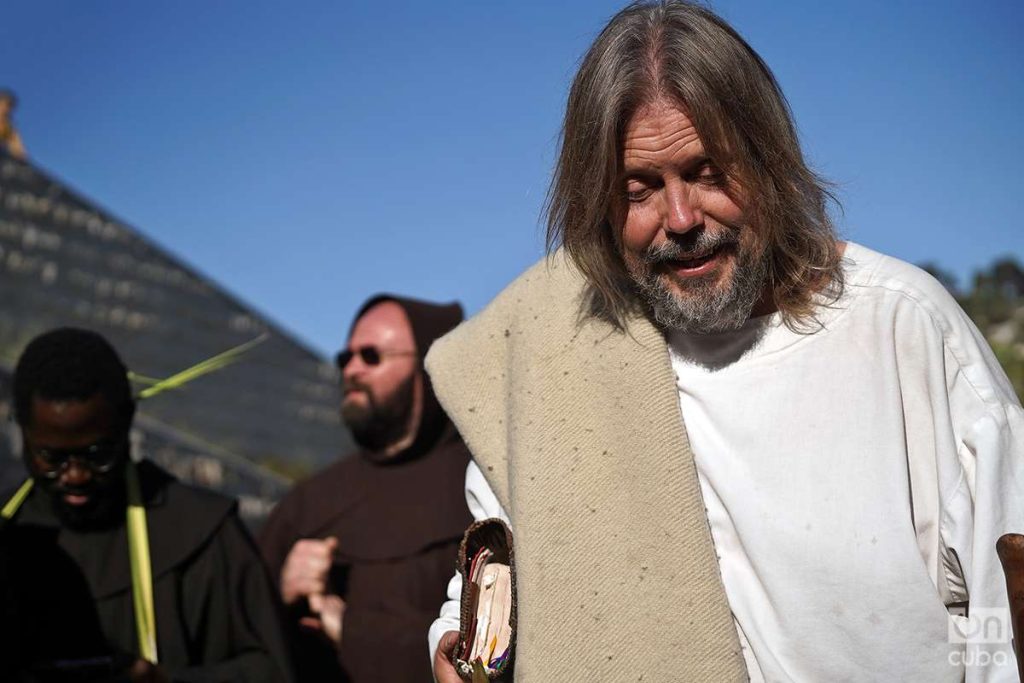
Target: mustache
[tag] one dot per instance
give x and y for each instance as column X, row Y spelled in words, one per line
column 88, row 489
column 356, row 385
column 693, row 244
column 74, row 490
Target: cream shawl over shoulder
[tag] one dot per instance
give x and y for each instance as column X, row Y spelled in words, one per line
column 576, row 427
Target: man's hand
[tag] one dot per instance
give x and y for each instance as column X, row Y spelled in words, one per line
column 143, row 671
column 444, row 670
column 330, row 615
column 306, row 568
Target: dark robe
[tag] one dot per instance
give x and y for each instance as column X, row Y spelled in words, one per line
column 398, row 523
column 67, row 595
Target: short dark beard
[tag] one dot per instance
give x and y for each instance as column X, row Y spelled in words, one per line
column 375, row 425
column 707, row 307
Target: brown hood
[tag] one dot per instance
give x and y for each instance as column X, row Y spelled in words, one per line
column 429, row 322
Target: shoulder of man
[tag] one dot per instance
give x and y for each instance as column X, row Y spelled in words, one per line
column 902, row 286
column 923, row 311
column 471, row 367
column 182, row 516
column 548, row 292
column 890, row 276
column 307, row 497
column 307, row 508
column 161, row 488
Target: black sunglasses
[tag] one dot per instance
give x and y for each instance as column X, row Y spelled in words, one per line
column 99, row 457
column 370, row 355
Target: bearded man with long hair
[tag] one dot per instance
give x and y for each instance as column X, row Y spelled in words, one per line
column 730, row 444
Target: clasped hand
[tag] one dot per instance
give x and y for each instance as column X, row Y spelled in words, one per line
column 304, row 576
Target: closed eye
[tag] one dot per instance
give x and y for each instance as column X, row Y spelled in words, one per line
column 709, row 174
column 637, row 189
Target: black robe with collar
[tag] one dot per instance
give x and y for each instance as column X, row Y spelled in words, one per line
column 67, row 595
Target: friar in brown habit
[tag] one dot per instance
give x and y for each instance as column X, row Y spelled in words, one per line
column 362, row 552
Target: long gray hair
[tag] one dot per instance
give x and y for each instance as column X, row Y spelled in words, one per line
column 682, row 51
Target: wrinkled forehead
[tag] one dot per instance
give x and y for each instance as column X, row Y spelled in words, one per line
column 385, row 325
column 661, row 125
column 701, row 124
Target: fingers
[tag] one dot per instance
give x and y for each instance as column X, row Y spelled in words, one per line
column 306, row 568
column 328, row 604
column 332, row 611
column 142, row 671
column 331, row 604
column 311, row 585
column 315, row 550
column 295, row 586
column 312, row 624
column 447, row 643
column 444, row 670
column 305, row 576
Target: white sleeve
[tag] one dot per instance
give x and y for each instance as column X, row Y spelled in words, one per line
column 988, row 503
column 483, row 504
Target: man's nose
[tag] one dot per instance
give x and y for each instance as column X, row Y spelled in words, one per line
column 681, row 213
column 75, row 474
column 355, row 367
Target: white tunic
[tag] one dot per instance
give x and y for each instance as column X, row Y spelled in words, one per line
column 856, row 478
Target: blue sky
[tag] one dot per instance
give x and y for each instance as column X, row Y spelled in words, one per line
column 306, row 155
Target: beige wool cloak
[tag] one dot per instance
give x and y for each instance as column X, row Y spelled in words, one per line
column 576, row 426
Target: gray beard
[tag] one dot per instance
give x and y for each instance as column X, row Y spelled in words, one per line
column 709, row 305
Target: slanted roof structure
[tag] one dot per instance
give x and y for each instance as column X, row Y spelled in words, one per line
column 66, row 261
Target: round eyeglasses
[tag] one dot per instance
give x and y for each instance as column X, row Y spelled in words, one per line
column 100, row 458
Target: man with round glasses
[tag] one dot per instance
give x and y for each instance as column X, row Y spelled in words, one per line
column 363, row 551
column 80, row 476
column 74, row 605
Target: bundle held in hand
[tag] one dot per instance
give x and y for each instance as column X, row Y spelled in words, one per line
column 488, row 609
